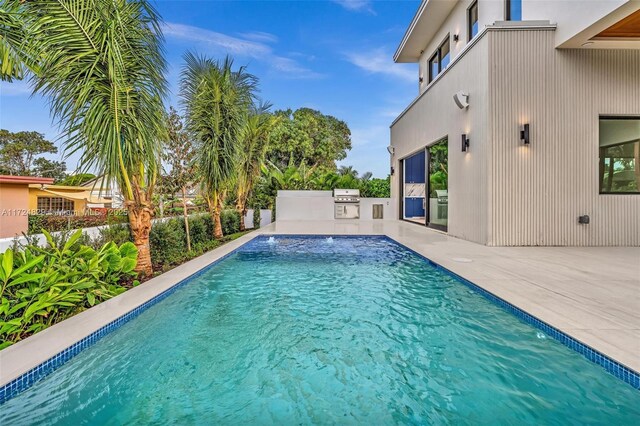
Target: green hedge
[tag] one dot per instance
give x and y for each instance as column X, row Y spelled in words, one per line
column 168, row 238
column 54, row 223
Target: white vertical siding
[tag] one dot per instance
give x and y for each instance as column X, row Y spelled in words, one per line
column 538, row 191
column 433, row 116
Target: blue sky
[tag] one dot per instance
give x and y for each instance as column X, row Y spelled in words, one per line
column 334, row 56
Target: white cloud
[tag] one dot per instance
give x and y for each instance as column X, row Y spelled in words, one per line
column 239, row 47
column 356, row 5
column 260, row 36
column 380, row 61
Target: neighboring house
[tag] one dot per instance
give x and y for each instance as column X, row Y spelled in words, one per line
column 527, row 121
column 56, row 199
column 14, row 203
column 101, row 188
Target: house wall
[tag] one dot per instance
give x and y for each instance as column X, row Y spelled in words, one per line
column 571, row 16
column 538, row 191
column 433, row 116
column 79, row 205
column 489, row 11
column 14, row 201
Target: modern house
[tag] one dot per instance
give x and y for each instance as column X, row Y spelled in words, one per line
column 526, row 128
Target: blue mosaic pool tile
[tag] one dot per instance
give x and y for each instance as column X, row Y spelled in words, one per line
column 613, row 367
column 27, row 380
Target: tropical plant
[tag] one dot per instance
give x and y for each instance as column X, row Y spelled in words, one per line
column 215, row 99
column 101, row 65
column 15, row 56
column 44, row 285
column 254, row 141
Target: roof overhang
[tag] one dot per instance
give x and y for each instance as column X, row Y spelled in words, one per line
column 620, row 29
column 25, row 180
column 426, row 22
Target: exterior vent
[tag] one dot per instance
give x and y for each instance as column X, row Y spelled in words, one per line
column 377, row 211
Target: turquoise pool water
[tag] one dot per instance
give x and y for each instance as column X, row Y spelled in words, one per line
column 310, row 331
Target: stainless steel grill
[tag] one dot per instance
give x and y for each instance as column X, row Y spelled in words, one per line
column 346, row 203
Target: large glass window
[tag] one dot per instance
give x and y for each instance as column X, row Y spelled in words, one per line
column 619, row 155
column 473, row 20
column 514, row 10
column 440, row 59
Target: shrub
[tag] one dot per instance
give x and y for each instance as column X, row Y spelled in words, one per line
column 44, row 285
column 230, row 221
column 198, row 230
column 168, row 242
column 54, row 223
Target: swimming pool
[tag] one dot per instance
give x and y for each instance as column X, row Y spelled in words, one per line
column 306, row 330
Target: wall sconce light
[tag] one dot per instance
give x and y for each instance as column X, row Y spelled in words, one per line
column 456, row 37
column 421, row 79
column 465, row 143
column 524, row 134
column 392, row 170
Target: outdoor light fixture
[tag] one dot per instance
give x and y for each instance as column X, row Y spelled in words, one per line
column 421, row 79
column 456, row 37
column 524, row 134
column 465, row 143
column 391, row 149
column 392, row 170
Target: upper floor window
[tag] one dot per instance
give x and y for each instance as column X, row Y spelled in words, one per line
column 619, row 155
column 473, row 20
column 514, row 10
column 440, row 59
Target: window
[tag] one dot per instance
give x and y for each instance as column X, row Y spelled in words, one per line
column 439, row 60
column 54, row 204
column 619, row 155
column 514, row 10
column 473, row 20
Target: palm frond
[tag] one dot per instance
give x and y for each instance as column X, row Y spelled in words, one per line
column 215, row 99
column 103, row 73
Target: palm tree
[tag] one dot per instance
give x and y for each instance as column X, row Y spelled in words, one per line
column 216, row 99
column 254, row 142
column 101, row 65
column 14, row 51
column 348, row 171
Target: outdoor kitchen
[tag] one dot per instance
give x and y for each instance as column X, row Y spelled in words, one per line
column 339, row 205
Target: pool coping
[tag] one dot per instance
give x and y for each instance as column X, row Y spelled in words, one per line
column 39, row 355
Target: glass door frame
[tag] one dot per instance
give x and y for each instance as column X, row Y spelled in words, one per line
column 402, row 184
column 444, row 139
column 401, row 167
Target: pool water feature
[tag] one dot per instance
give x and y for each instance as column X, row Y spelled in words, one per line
column 298, row 331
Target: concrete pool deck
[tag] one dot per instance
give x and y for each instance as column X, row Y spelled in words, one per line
column 590, row 293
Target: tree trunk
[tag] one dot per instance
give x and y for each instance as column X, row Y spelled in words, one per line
column 186, row 216
column 215, row 209
column 217, row 225
column 140, row 224
column 242, row 211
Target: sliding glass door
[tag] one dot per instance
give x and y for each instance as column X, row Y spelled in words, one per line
column 437, row 155
column 414, row 188
column 424, row 186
